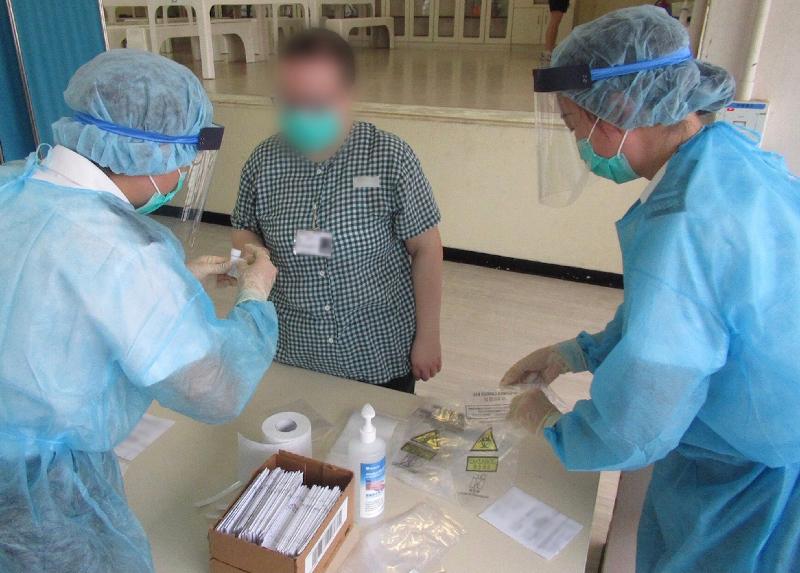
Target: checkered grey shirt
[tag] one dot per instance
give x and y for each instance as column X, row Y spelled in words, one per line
column 351, row 315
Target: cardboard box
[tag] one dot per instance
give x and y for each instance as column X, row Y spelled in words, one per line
column 230, row 554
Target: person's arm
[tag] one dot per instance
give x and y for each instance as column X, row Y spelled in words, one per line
column 242, row 237
column 426, row 273
column 171, row 344
column 415, row 223
column 243, row 219
column 595, row 347
column 650, row 387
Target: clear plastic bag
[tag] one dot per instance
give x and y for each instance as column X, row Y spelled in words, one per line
column 413, row 542
column 450, row 449
column 384, row 425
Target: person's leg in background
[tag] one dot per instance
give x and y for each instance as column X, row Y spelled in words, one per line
column 557, row 10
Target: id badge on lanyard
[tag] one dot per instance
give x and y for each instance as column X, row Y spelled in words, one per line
column 313, row 243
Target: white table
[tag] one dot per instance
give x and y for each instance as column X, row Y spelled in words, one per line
column 202, row 10
column 193, row 460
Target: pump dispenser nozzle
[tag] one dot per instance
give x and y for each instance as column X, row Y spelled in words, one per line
column 368, row 430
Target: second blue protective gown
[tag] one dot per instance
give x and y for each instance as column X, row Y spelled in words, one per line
column 99, row 316
column 698, row 370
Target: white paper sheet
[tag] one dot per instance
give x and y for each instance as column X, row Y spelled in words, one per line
column 147, row 431
column 532, row 523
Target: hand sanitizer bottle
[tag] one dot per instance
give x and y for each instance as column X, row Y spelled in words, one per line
column 367, row 455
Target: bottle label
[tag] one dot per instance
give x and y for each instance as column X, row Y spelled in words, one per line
column 373, row 484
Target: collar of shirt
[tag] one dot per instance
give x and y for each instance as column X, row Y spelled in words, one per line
column 653, row 183
column 69, row 169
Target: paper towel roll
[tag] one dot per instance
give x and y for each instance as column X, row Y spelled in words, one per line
column 288, row 431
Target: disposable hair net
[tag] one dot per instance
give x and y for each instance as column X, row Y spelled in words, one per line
column 665, row 95
column 136, row 89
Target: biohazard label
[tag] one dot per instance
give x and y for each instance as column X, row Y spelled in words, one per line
column 419, row 451
column 482, row 464
column 485, row 443
column 428, row 439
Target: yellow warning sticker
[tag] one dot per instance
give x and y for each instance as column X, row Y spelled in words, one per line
column 482, row 464
column 419, row 451
column 429, row 439
column 485, row 443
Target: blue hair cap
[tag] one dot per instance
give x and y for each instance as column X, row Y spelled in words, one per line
column 139, row 90
column 660, row 96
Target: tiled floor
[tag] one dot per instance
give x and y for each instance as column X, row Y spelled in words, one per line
column 490, row 318
column 461, row 76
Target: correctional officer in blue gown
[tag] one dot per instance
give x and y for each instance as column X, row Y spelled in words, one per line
column 100, row 315
column 697, row 372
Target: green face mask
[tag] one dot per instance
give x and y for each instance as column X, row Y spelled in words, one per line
column 157, row 200
column 616, row 168
column 310, row 131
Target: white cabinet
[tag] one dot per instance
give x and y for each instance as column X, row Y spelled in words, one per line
column 498, row 21
column 530, row 22
column 463, row 21
column 446, row 24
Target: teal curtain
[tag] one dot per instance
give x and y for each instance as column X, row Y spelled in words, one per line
column 55, row 38
column 16, row 134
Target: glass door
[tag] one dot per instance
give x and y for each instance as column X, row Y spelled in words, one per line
column 498, row 21
column 472, row 20
column 421, row 20
column 446, row 19
column 398, row 9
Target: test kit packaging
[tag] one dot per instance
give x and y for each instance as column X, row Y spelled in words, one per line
column 230, row 554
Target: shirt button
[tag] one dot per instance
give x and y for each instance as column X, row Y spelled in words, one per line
column 326, row 308
column 319, row 171
column 322, row 273
column 330, row 340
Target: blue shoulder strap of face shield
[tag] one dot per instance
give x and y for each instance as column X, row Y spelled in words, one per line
column 208, row 138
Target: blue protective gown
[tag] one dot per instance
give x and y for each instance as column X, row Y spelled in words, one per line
column 99, row 316
column 697, row 372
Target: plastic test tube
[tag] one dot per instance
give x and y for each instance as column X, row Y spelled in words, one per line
column 236, row 256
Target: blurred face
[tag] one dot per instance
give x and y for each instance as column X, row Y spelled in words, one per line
column 314, row 101
column 313, row 83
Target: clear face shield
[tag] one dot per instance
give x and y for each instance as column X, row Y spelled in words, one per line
column 198, row 183
column 561, row 173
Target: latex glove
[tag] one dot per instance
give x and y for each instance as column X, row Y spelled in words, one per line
column 426, row 356
column 256, row 274
column 542, row 366
column 533, row 411
column 208, row 266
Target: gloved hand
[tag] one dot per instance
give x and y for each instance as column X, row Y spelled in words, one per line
column 533, row 411
column 256, row 274
column 207, row 266
column 543, row 366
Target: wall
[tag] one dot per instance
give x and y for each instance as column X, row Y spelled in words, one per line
column 482, row 168
column 726, row 41
column 588, row 10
